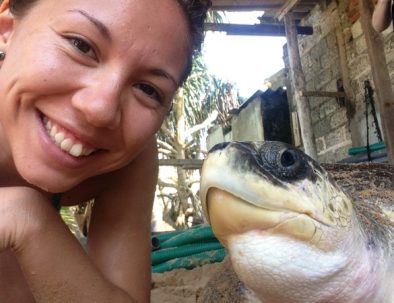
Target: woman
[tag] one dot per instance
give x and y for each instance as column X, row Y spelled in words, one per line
column 84, row 86
column 382, row 15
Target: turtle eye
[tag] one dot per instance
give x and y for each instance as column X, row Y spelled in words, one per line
column 289, row 163
column 287, row 158
column 283, row 160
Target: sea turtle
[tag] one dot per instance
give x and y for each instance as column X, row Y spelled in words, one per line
column 295, row 235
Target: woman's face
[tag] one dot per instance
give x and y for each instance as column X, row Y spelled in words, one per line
column 86, row 84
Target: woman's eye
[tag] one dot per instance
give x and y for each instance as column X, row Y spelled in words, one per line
column 150, row 91
column 83, row 46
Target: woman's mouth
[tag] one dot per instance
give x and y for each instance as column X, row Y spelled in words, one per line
column 65, row 141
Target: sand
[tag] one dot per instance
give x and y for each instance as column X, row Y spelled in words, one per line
column 181, row 285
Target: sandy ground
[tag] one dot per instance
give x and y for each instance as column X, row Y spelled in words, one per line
column 181, row 285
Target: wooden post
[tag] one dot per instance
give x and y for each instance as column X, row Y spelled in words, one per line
column 298, row 83
column 350, row 110
column 380, row 75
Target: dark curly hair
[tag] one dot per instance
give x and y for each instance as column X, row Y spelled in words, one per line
column 195, row 11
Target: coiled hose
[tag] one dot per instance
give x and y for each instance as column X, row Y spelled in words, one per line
column 185, row 249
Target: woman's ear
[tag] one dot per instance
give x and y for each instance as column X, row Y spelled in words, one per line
column 6, row 24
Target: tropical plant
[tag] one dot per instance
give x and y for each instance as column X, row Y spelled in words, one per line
column 202, row 101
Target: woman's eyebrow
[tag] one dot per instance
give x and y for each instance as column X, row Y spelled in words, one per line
column 97, row 23
column 164, row 74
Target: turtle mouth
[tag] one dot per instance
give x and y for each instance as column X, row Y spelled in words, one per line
column 230, row 215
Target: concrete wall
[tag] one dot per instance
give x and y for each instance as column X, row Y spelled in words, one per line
column 215, row 135
column 264, row 116
column 247, row 125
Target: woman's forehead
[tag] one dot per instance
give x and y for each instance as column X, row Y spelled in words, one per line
column 153, row 17
column 122, row 11
column 155, row 28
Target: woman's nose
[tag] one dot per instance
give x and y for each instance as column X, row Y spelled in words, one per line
column 100, row 104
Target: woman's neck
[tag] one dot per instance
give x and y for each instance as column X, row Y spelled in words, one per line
column 9, row 175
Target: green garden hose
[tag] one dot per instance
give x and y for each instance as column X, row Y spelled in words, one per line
column 185, row 249
column 192, row 261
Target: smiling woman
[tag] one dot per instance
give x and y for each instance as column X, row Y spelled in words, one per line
column 84, row 86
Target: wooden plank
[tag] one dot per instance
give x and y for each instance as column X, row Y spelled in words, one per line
column 255, row 30
column 322, row 94
column 299, row 84
column 245, row 4
column 380, row 75
column 270, row 6
column 286, row 8
column 296, row 129
column 184, row 163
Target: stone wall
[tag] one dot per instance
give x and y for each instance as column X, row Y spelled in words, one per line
column 336, row 128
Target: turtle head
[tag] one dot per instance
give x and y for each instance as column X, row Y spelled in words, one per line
column 274, row 189
column 291, row 232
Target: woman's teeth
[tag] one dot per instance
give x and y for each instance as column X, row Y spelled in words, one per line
column 66, row 144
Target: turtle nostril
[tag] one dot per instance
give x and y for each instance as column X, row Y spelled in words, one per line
column 287, row 159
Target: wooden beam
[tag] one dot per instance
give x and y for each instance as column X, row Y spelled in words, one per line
column 237, row 5
column 322, row 94
column 271, row 6
column 184, row 163
column 286, row 8
column 299, row 84
column 380, row 75
column 241, row 8
column 256, row 30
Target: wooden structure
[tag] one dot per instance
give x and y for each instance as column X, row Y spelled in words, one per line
column 183, row 163
column 380, row 75
column 287, row 14
column 299, row 84
column 277, row 8
column 256, row 29
column 291, row 12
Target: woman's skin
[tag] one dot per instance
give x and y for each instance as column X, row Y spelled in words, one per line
column 381, row 17
column 103, row 77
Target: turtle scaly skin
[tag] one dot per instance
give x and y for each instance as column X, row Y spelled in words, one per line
column 296, row 233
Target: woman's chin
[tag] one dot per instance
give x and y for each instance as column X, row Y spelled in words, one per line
column 53, row 185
